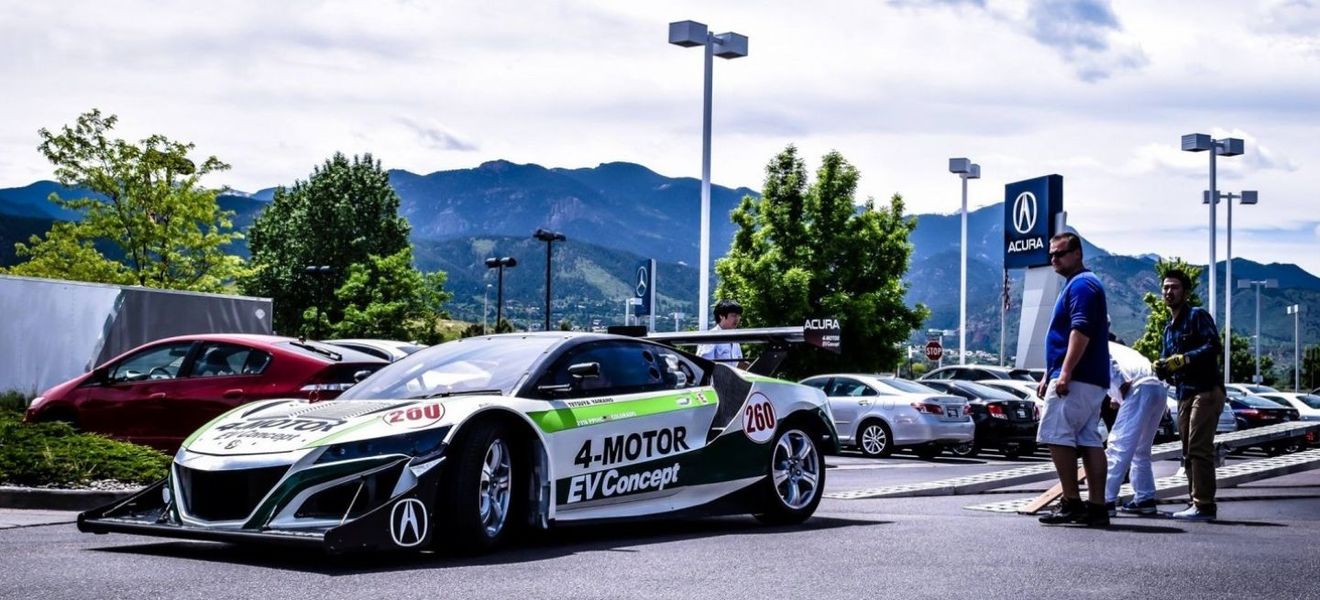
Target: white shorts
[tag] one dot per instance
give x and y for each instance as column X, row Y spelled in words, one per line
column 1072, row 420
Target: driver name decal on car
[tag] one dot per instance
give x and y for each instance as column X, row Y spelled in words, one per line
column 606, row 484
column 632, row 446
column 759, row 418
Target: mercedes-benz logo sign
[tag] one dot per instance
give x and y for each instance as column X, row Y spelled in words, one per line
column 641, row 282
column 1024, row 212
column 408, row 522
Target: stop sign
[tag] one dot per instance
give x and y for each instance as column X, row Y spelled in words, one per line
column 934, row 350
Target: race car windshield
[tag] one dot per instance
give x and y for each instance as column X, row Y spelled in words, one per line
column 490, row 365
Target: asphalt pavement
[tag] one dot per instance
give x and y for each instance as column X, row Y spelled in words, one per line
column 1265, row 547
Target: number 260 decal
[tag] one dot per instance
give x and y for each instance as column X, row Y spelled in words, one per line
column 759, row 418
column 414, row 417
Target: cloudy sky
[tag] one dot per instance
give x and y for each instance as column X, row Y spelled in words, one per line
column 1099, row 91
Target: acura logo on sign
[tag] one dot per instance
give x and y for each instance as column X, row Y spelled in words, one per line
column 1024, row 212
column 408, row 522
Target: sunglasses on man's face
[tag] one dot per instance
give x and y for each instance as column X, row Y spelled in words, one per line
column 1060, row 253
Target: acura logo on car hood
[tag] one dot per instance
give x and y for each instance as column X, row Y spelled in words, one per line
column 1024, row 212
column 408, row 522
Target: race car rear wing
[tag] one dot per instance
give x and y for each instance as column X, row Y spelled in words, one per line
column 822, row 333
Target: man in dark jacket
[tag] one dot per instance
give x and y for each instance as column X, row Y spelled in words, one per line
column 1189, row 362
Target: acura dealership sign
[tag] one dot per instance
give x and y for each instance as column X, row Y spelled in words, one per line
column 1029, row 210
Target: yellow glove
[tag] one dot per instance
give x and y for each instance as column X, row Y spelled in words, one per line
column 1175, row 362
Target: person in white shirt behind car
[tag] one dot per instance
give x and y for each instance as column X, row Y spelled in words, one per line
column 728, row 314
column 1141, row 398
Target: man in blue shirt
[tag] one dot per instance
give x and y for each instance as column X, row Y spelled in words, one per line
column 1189, row 361
column 1075, row 383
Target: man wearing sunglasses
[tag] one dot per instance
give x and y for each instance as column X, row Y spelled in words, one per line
column 1074, row 386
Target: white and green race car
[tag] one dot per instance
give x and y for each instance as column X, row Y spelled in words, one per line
column 464, row 443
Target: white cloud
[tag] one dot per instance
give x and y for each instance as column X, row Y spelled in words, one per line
column 1098, row 91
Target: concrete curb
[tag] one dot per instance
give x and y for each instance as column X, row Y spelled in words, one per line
column 58, row 499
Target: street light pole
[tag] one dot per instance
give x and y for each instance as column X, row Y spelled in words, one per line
column 1295, row 310
column 549, row 237
column 320, row 273
column 1246, row 197
column 1200, row 142
column 485, row 310
column 725, row 45
column 1257, row 283
column 500, row 264
column 965, row 170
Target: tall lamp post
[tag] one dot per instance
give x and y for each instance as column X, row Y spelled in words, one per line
column 1256, row 283
column 321, row 273
column 1200, row 142
column 1296, row 310
column 485, row 309
column 965, row 170
column 500, row 263
column 1248, row 197
column 724, row 45
column 549, row 237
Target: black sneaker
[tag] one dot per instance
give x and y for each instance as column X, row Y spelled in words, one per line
column 1070, row 510
column 1145, row 507
column 1097, row 515
column 1112, row 509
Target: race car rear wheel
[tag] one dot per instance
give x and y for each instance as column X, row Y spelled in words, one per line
column 481, row 494
column 797, row 479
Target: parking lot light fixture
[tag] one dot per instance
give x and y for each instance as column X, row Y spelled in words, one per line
column 1256, row 283
column 1295, row 310
column 1200, row 142
column 500, row 263
column 549, row 237
column 727, row 45
column 965, row 169
column 1247, row 197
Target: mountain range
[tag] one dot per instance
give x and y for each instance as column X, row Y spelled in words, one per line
column 617, row 213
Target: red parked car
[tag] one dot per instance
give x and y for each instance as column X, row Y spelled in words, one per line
column 159, row 393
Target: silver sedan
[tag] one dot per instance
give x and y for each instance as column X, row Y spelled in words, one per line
column 878, row 414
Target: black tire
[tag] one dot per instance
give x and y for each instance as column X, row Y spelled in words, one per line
column 60, row 415
column 881, row 440
column 965, row 450
column 794, row 457
column 463, row 499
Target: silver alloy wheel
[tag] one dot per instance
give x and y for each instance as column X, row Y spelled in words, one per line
column 796, row 469
column 494, row 489
column 874, row 440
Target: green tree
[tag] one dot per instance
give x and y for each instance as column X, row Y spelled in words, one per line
column 341, row 215
column 805, row 250
column 1310, row 378
column 146, row 206
column 385, row 297
column 1151, row 342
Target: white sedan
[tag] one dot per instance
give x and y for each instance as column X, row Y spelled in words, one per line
column 880, row 414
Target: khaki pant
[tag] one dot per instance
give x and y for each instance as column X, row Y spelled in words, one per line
column 1198, row 416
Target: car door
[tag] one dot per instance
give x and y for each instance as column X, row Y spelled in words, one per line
column 220, row 376
column 849, row 399
column 128, row 401
column 617, row 430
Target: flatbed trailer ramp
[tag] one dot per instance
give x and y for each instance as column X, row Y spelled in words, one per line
column 977, row 484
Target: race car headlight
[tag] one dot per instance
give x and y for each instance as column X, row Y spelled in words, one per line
column 421, row 445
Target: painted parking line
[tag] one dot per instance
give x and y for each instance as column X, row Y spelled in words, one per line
column 1176, row 485
column 976, row 484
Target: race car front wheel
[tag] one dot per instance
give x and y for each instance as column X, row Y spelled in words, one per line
column 797, row 479
column 480, row 498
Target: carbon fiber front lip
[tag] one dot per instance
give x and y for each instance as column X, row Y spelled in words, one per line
column 306, row 539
